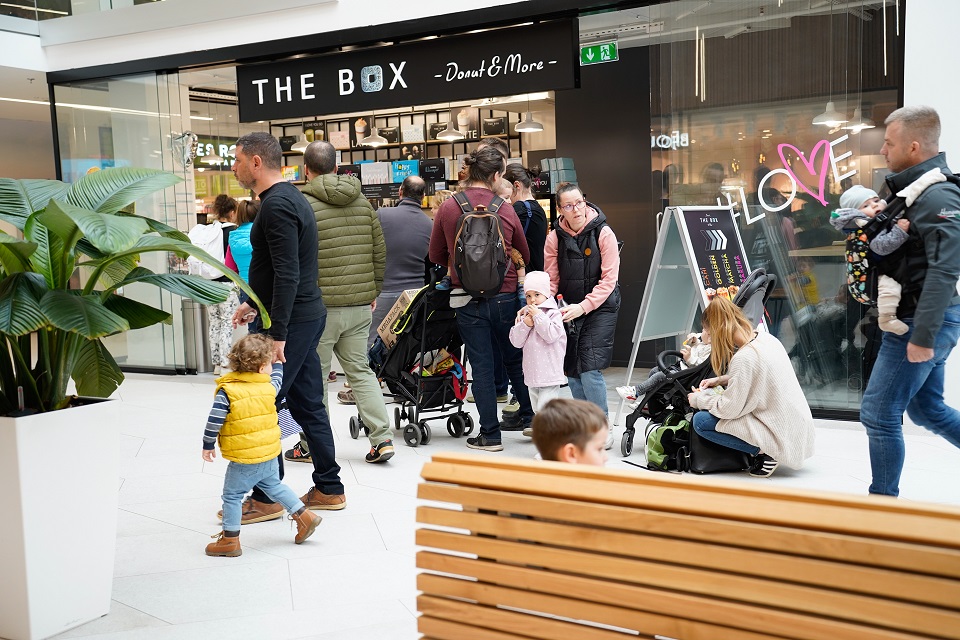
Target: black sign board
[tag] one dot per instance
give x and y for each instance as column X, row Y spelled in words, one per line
column 380, row 191
column 715, row 249
column 499, row 62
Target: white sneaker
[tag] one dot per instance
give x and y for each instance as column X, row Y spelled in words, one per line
column 610, row 439
column 628, row 393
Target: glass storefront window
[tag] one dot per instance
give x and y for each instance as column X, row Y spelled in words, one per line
column 49, row 9
column 739, row 98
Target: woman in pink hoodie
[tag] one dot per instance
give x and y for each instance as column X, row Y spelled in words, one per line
column 583, row 260
column 539, row 332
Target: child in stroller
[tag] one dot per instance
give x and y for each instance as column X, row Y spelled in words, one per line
column 695, row 349
column 669, row 394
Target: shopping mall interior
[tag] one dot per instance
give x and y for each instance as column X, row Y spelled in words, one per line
column 747, row 104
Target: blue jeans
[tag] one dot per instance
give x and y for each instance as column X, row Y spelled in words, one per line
column 590, row 386
column 486, row 322
column 241, row 478
column 897, row 385
column 705, row 424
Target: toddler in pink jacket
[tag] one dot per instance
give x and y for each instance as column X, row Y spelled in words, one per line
column 539, row 332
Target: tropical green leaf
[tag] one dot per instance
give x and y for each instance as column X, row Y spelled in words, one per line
column 20, row 198
column 47, row 259
column 156, row 226
column 95, row 371
column 112, row 189
column 193, row 287
column 84, row 315
column 20, row 311
column 107, row 232
column 14, row 253
column 137, row 314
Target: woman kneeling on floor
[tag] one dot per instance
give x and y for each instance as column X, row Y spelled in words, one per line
column 755, row 404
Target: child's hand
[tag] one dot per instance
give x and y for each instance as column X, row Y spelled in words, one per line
column 527, row 316
column 686, row 354
column 533, row 309
column 903, row 224
column 209, row 455
column 690, row 396
column 709, row 382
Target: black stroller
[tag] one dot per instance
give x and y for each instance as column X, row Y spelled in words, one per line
column 423, row 329
column 670, row 396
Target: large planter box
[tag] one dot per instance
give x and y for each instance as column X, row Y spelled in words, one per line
column 59, row 487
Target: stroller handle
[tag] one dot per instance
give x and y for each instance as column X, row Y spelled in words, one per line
column 666, row 368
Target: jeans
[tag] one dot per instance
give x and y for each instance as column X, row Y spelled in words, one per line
column 590, row 386
column 346, row 335
column 897, row 385
column 705, row 424
column 240, row 478
column 303, row 388
column 486, row 323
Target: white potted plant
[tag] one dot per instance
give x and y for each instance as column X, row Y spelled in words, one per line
column 59, row 465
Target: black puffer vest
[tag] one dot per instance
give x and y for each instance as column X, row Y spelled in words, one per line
column 590, row 343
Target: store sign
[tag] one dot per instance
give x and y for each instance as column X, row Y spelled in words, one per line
column 598, row 52
column 715, row 250
column 672, row 142
column 492, row 63
column 226, row 149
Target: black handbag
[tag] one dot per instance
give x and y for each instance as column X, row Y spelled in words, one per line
column 703, row 456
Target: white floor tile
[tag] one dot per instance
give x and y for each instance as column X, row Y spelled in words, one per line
column 121, row 619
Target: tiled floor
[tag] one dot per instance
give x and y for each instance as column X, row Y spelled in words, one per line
column 354, row 579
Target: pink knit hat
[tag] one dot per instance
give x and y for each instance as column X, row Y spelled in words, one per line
column 538, row 281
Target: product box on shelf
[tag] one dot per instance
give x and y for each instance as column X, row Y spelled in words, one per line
column 385, row 330
column 404, row 168
column 291, row 173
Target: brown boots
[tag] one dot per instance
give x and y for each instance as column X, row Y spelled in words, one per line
column 224, row 546
column 306, row 524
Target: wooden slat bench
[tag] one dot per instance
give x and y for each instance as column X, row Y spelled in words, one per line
column 526, row 549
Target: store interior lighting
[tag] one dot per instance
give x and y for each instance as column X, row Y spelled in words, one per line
column 830, row 117
column 214, row 158
column 744, row 28
column 451, row 132
column 690, row 12
column 528, row 124
column 858, row 123
column 374, row 139
column 301, row 144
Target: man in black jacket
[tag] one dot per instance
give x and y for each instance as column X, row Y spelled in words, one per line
column 283, row 273
column 909, row 372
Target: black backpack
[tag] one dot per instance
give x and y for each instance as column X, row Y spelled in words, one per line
column 480, row 251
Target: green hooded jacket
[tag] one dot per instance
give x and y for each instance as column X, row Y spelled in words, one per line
column 351, row 252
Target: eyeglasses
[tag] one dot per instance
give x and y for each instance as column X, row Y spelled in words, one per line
column 579, row 204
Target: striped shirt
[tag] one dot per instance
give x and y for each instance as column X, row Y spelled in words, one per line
column 221, row 407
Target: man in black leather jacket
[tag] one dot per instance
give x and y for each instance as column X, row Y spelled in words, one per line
column 910, row 369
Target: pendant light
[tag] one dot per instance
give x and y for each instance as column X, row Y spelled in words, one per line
column 830, row 117
column 215, row 158
column 374, row 139
column 859, row 123
column 528, row 124
column 451, row 133
column 301, row 144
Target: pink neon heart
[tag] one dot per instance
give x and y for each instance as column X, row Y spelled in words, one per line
column 822, row 174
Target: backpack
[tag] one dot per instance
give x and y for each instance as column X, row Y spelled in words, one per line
column 480, row 251
column 208, row 237
column 667, row 443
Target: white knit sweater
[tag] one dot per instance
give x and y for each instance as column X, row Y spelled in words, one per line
column 763, row 403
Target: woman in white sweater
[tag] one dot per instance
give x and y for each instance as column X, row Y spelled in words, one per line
column 755, row 403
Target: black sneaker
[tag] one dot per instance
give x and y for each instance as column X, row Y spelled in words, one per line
column 481, row 443
column 763, row 466
column 512, row 422
column 299, row 453
column 380, row 453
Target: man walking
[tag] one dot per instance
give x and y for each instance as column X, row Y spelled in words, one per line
column 284, row 241
column 351, row 261
column 909, row 372
column 406, row 233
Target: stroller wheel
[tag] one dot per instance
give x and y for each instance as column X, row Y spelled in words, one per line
column 354, row 427
column 398, row 418
column 411, row 435
column 456, row 425
column 626, row 443
column 469, row 428
column 425, row 434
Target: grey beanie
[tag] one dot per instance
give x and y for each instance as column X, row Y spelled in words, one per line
column 855, row 196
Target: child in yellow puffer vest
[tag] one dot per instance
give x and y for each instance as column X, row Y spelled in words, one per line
column 244, row 420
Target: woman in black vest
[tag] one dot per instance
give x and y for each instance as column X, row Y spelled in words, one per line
column 583, row 260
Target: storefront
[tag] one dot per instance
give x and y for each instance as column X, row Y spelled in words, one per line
column 728, row 96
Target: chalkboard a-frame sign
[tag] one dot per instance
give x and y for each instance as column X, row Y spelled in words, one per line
column 539, row 57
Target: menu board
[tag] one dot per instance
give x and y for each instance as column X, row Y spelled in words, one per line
column 714, row 247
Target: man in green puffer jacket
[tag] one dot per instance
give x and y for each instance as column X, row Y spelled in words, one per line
column 351, row 261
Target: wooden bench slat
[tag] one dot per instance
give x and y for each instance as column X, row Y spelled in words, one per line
column 662, row 601
column 823, row 573
column 609, row 614
column 839, row 515
column 863, row 609
column 840, row 547
column 440, row 629
column 523, row 624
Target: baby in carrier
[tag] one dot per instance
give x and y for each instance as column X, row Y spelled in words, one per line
column 858, row 206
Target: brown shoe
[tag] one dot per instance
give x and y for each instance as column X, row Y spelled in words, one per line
column 319, row 501
column 256, row 511
column 306, row 524
column 224, row 546
column 346, row 397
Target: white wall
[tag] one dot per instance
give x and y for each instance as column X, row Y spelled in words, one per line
column 930, row 47
column 27, row 149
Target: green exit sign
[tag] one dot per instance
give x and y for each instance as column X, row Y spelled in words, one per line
column 598, row 52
